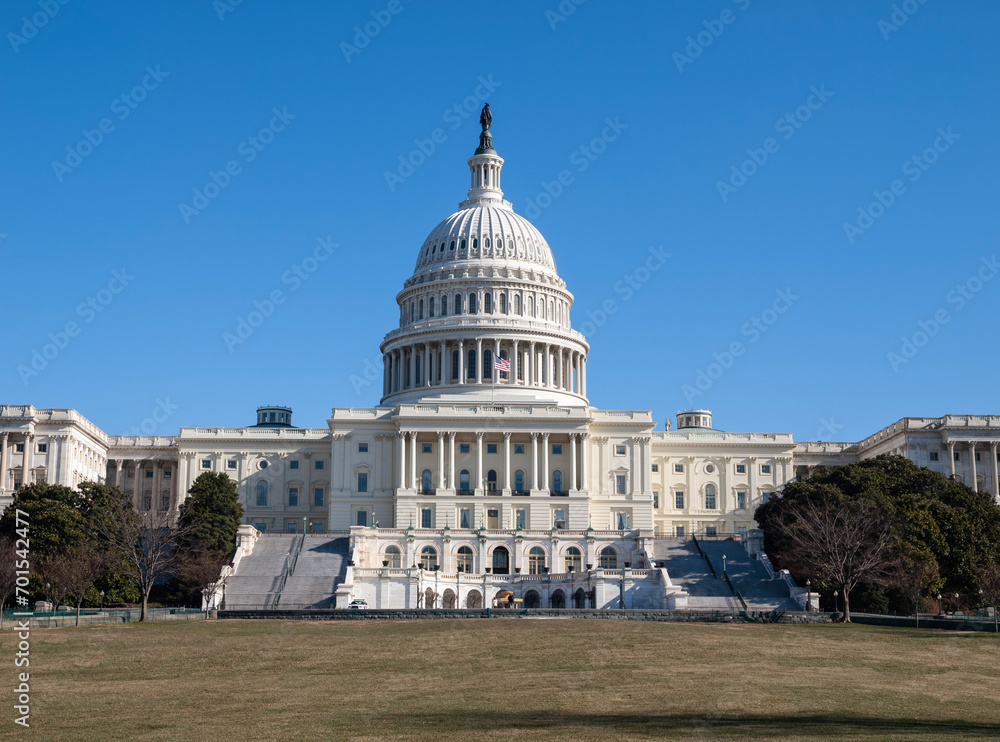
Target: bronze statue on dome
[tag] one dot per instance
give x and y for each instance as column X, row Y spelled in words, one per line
column 486, row 118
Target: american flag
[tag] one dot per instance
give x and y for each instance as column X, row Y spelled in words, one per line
column 503, row 365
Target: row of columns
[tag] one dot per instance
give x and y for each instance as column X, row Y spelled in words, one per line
column 407, row 478
column 535, row 364
column 992, row 447
column 138, row 489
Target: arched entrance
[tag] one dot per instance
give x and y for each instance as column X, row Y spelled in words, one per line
column 449, row 599
column 558, row 599
column 501, row 561
column 532, row 599
column 580, row 598
column 474, row 599
column 430, row 598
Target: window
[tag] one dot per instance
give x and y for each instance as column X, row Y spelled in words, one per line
column 362, row 448
column 519, row 481
column 167, row 472
column 503, row 303
column 293, row 464
column 679, row 500
column 463, row 448
column 556, row 448
column 149, row 473
column 426, row 518
column 393, row 557
column 518, row 448
column 741, row 468
column 656, row 501
column 147, row 503
column 455, row 361
column 977, row 456
column 430, row 307
column 206, row 464
column 362, row 518
column 765, row 468
column 425, row 481
column 620, row 484
column 656, row 468
column 934, row 455
column 622, row 520
column 710, row 497
column 711, row 531
column 520, row 518
column 678, row 468
column 741, row 500
column 317, row 528
column 470, row 372
column 19, row 447
column 472, row 303
column 362, row 481
column 292, row 527
column 536, row 560
column 491, row 480
column 320, row 465
column 487, row 364
column 678, row 530
column 165, row 503
column 609, row 558
column 958, row 456
column 491, row 448
column 463, row 478
column 43, row 447
column 293, row 496
column 574, row 560
column 465, row 518
column 464, row 559
column 488, row 303
column 559, row 519
column 426, row 448
column 557, row 481
column 710, row 469
column 457, row 309
column 261, row 494
column 318, row 497
column 444, row 299
column 766, row 497
column 231, row 465
column 619, row 450
column 428, row 557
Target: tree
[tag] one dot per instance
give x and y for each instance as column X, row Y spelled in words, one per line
column 989, row 586
column 916, row 574
column 848, row 544
column 73, row 573
column 8, row 571
column 145, row 543
column 199, row 571
column 54, row 514
column 211, row 514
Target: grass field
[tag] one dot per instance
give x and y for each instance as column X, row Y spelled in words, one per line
column 492, row 679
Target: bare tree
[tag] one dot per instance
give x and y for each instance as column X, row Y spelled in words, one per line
column 914, row 575
column 203, row 569
column 989, row 586
column 73, row 572
column 847, row 543
column 145, row 543
column 8, row 571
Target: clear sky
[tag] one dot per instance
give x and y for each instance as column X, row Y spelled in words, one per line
column 168, row 164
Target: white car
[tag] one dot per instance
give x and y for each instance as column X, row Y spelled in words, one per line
column 357, row 605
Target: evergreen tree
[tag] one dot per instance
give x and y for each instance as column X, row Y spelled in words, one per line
column 211, row 514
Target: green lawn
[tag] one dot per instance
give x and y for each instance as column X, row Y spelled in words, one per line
column 490, row 679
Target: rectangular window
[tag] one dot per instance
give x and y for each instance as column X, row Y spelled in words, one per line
column 206, row 464
column 262, row 527
column 958, row 456
column 556, row 448
column 293, row 464
column 678, row 468
column 520, row 518
column 622, row 521
column 293, row 496
column 765, row 468
column 518, row 448
column 465, row 518
column 619, row 450
column 656, row 468
column 741, row 468
column 317, row 528
column 292, row 527
column 679, row 500
column 167, row 473
column 493, row 519
column 766, row 497
column 362, row 518
column 147, row 503
column 679, row 530
column 463, row 447
column 19, row 447
column 362, row 448
column 620, row 484
column 362, row 481
column 710, row 499
column 711, row 531
column 559, row 519
column 426, row 447
column 977, row 456
column 320, row 464
column 425, row 518
column 656, row 501
column 165, row 503
column 934, row 455
column 741, row 500
column 318, row 497
column 43, row 447
column 149, row 473
column 491, row 448
column 231, row 464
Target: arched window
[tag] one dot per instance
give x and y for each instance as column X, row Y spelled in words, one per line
column 557, row 481
column 491, row 480
column 510, row 244
column 472, row 303
column 574, row 560
column 501, row 561
column 487, row 364
column 519, row 481
column 486, row 243
column 531, row 306
column 536, row 560
column 504, row 374
column 710, row 497
column 488, row 303
column 430, row 307
column 444, row 305
column 428, row 557
column 455, row 361
column 471, row 372
column 609, row 558
column 452, row 245
column 541, row 308
column 457, row 309
column 503, row 303
column 421, row 314
column 425, row 481
column 463, row 480
column 475, row 243
column 393, row 556
column 261, row 494
column 517, row 304
column 464, row 559
column 463, row 245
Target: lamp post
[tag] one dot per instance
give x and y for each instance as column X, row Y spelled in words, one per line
column 723, row 564
column 102, row 599
column 940, row 605
column 808, row 587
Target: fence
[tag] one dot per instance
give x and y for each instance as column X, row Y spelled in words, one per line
column 91, row 617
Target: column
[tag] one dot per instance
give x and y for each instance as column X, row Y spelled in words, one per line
column 451, row 464
column 3, row 461
column 479, row 464
column 413, row 460
column 479, row 360
column 996, row 466
column 427, row 364
column 157, row 484
column 515, row 363
column 401, row 474
column 951, row 457
column 583, row 375
column 572, row 462
column 461, row 363
column 440, row 477
column 385, row 374
column 120, row 474
column 532, row 365
column 411, row 370
column 506, row 463
column 545, row 460
column 584, row 461
column 534, row 461
column 29, row 443
column 559, row 368
column 973, row 481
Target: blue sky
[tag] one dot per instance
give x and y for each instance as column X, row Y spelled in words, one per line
column 892, row 315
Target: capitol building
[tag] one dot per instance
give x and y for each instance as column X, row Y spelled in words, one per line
column 483, row 465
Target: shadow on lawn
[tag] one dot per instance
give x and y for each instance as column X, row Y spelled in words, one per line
column 818, row 725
